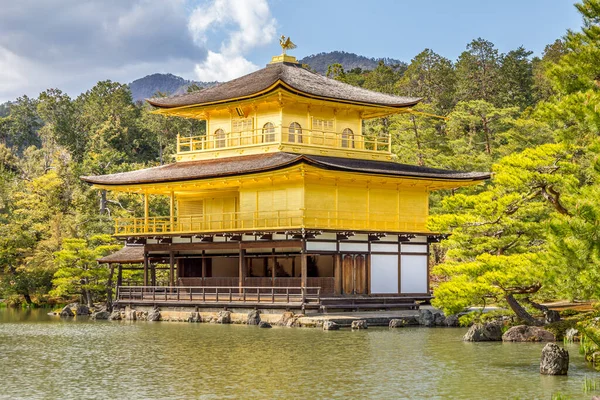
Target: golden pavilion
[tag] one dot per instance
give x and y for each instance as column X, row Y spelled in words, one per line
column 284, row 202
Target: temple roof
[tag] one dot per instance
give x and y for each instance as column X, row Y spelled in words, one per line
column 127, row 255
column 241, row 165
column 294, row 78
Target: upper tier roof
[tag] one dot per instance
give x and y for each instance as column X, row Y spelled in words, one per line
column 294, row 78
column 204, row 169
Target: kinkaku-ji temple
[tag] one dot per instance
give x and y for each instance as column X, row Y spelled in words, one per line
column 284, row 203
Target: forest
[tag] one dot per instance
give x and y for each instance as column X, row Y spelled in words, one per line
column 530, row 234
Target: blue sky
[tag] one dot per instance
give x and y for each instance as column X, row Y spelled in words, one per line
column 72, row 44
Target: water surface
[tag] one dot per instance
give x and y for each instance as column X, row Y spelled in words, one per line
column 43, row 357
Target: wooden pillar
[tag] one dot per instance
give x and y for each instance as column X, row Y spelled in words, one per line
column 241, row 264
column 146, row 269
column 360, row 286
column 293, row 267
column 171, row 269
column 120, row 276
column 348, row 273
column 337, row 274
column 153, row 274
column 203, row 267
column 273, row 265
column 172, row 212
column 303, row 270
column 146, row 212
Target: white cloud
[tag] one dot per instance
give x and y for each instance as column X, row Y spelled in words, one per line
column 238, row 26
column 220, row 67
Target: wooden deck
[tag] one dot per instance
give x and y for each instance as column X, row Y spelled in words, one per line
column 231, row 296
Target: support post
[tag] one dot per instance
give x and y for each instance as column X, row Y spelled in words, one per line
column 242, row 268
column 172, row 212
column 304, row 270
column 146, row 212
column 337, row 274
column 171, row 269
column 146, row 269
column 273, row 265
column 203, row 268
column 120, row 276
column 153, row 273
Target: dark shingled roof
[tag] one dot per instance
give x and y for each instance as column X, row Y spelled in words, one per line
column 293, row 75
column 127, row 255
column 204, row 169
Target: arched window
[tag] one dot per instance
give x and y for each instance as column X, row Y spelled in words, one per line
column 295, row 133
column 348, row 138
column 268, row 132
column 220, row 140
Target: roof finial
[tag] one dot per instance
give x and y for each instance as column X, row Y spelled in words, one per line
column 286, row 43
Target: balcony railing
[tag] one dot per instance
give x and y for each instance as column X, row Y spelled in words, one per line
column 287, row 219
column 283, row 135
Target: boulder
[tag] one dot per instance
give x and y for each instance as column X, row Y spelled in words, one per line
column 525, row 333
column 154, row 315
column 439, row 319
column 551, row 316
column 223, row 317
column 330, row 326
column 264, row 324
column 140, row 315
column 572, row 335
column 555, row 360
column 194, row 317
column 398, row 323
column 100, row 315
column 426, row 318
column 489, row 332
column 285, row 317
column 115, row 316
column 66, row 312
column 253, row 317
column 82, row 309
column 359, row 324
column 131, row 315
column 452, row 320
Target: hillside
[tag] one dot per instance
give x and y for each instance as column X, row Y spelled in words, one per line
column 320, row 62
column 148, row 86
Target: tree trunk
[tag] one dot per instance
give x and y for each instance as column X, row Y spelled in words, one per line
column 27, row 299
column 520, row 311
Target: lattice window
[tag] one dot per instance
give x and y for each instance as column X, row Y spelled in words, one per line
column 241, row 125
column 268, row 132
column 323, row 125
column 348, row 138
column 191, row 207
column 220, row 138
column 295, row 133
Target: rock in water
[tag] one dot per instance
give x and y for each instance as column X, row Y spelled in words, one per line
column 359, row 324
column 426, row 318
column 253, row 317
column 525, row 333
column 82, row 309
column 452, row 320
column 224, row 317
column 115, row 316
column 572, row 335
column 101, row 315
column 330, row 326
column 398, row 323
column 194, row 317
column 66, row 312
column 490, row 332
column 439, row 319
column 555, row 360
column 264, row 324
column 154, row 315
column 131, row 315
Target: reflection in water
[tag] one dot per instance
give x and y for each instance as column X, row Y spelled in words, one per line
column 45, row 357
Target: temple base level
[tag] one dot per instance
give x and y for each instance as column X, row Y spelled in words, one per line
column 279, row 270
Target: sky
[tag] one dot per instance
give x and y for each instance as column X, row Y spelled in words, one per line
column 72, row 44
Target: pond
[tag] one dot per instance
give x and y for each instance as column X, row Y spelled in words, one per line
column 46, row 357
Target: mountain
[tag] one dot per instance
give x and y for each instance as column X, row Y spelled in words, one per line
column 170, row 84
column 320, row 62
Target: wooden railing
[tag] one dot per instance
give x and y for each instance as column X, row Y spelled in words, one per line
column 283, row 135
column 219, row 294
column 286, row 219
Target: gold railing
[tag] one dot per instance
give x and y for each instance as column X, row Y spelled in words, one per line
column 285, row 219
column 282, row 135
